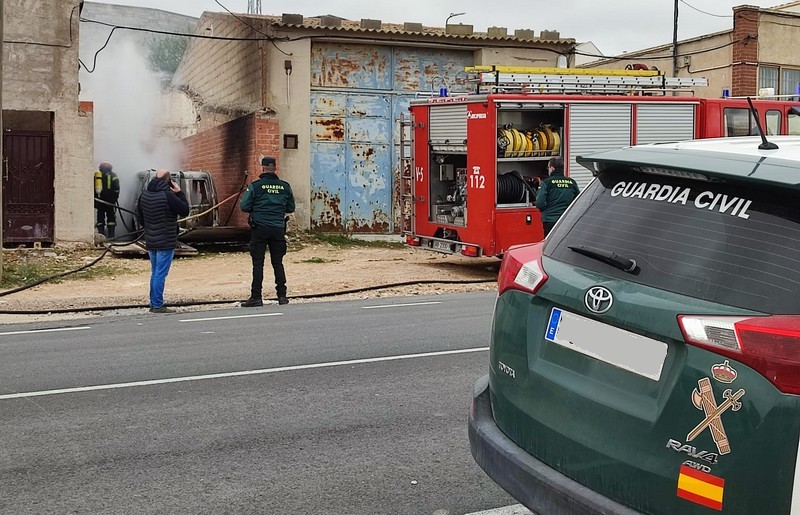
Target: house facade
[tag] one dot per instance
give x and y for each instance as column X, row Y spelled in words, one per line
column 324, row 96
column 757, row 55
column 47, row 131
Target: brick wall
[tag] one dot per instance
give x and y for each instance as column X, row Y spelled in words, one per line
column 227, row 151
column 744, row 76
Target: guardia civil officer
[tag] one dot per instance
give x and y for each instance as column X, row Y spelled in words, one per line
column 267, row 200
column 555, row 194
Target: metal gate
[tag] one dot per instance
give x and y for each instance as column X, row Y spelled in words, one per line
column 358, row 93
column 351, row 139
column 28, row 191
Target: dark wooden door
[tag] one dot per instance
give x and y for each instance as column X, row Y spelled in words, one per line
column 28, row 187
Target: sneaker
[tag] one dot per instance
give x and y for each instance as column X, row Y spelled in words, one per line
column 162, row 309
column 252, row 303
column 283, row 300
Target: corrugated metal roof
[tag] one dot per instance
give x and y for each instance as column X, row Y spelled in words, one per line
column 354, row 27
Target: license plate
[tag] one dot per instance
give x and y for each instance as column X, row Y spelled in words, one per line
column 623, row 349
column 443, row 245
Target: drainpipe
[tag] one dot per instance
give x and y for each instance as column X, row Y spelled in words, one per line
column 2, row 132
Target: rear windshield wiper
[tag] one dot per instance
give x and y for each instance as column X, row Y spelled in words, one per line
column 606, row 256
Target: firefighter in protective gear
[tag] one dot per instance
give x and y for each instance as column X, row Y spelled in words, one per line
column 106, row 189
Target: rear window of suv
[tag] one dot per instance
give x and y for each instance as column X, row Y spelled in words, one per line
column 725, row 242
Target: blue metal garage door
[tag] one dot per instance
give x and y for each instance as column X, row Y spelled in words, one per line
column 358, row 93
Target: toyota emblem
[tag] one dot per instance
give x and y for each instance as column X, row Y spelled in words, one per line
column 598, row 300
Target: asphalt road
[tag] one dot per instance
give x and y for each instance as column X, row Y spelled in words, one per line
column 355, row 407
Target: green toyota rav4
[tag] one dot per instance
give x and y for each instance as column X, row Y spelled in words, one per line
column 645, row 357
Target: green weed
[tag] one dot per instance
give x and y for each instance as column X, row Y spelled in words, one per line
column 24, row 267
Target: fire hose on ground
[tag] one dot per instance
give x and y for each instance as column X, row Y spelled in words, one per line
column 198, row 302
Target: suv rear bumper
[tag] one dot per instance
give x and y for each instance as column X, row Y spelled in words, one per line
column 539, row 487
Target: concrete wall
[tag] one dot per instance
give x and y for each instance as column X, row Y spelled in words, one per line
column 40, row 73
column 291, row 101
column 504, row 56
column 774, row 31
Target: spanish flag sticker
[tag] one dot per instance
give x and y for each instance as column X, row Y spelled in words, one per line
column 700, row 487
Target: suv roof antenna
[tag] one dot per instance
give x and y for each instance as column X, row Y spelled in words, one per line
column 765, row 145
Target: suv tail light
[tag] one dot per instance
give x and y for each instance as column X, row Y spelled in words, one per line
column 770, row 344
column 522, row 269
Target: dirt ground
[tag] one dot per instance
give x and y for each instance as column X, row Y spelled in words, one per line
column 223, row 278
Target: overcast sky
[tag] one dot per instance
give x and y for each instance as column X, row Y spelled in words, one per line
column 614, row 26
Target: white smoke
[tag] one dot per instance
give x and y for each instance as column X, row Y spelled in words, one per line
column 127, row 99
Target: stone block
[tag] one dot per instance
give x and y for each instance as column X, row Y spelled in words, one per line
column 292, row 19
column 524, row 34
column 459, row 30
column 370, row 24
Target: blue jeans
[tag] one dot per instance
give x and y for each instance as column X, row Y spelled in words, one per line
column 160, row 261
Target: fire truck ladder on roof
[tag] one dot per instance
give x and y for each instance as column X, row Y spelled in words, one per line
column 503, row 79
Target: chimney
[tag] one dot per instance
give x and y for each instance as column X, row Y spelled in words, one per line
column 370, row 24
column 292, row 19
column 330, row 21
column 524, row 34
column 744, row 72
column 412, row 27
column 458, row 30
column 550, row 34
column 498, row 32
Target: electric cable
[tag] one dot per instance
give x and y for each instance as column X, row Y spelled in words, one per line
column 217, row 302
column 270, row 38
column 108, row 247
column 687, row 4
column 69, row 272
column 120, row 209
column 638, row 54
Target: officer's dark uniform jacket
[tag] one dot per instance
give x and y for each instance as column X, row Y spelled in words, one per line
column 159, row 209
column 268, row 200
column 555, row 195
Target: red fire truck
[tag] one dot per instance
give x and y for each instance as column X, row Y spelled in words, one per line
column 472, row 162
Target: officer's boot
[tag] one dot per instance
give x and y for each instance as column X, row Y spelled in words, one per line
column 111, row 230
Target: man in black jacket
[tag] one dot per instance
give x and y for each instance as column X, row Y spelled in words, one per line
column 268, row 200
column 160, row 205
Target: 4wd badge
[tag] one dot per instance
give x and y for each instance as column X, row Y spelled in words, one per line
column 703, row 399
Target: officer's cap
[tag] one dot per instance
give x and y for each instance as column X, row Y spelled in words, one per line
column 267, row 161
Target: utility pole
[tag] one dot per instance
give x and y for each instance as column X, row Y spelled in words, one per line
column 675, row 43
column 253, row 6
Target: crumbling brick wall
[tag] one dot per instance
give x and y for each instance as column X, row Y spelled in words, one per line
column 227, row 152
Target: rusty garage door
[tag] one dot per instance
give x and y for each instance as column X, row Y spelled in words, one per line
column 358, row 93
column 28, row 192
